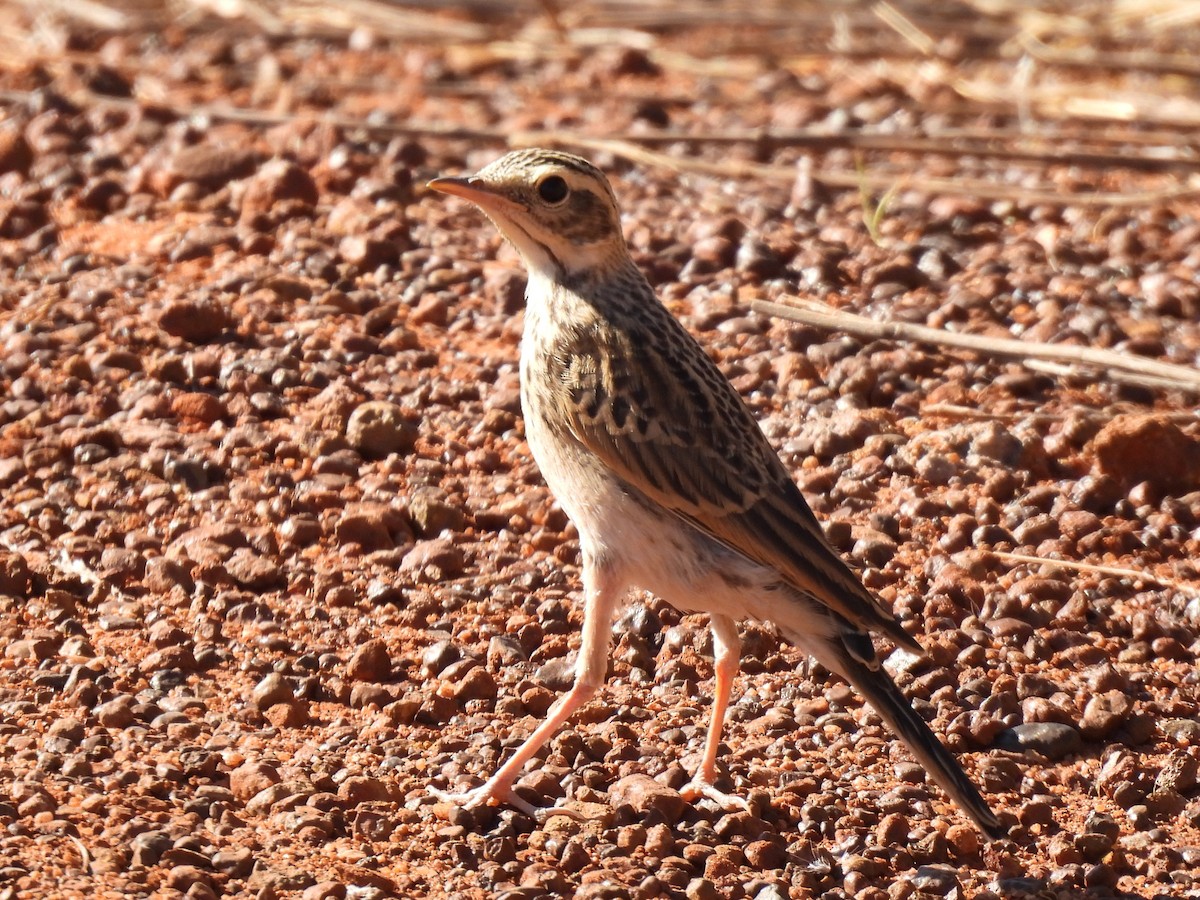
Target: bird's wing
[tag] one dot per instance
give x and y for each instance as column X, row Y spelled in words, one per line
column 654, row 408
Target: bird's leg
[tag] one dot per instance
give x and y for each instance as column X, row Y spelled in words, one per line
column 601, row 591
column 727, row 648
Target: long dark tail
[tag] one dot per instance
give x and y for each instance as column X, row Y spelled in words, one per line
column 878, row 689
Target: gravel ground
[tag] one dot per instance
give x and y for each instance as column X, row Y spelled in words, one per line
column 274, row 556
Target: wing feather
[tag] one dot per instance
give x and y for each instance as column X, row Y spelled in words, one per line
column 673, row 427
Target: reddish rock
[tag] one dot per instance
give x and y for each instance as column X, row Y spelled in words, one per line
column 1149, row 448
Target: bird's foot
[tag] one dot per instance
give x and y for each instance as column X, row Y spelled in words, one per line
column 703, row 787
column 497, row 795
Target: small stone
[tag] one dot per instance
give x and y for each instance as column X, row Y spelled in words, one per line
column 964, row 839
column 505, row 650
column 163, row 574
column 289, row 714
column 177, row 657
column 373, row 526
column 1104, row 714
column 660, row 841
column 117, row 713
column 574, row 856
column 1161, row 804
column 325, row 890
column 277, row 180
column 148, row 848
column 1178, row 774
column 476, row 684
column 235, row 863
column 432, row 515
column 197, row 321
column 438, row 656
column 429, row 562
column 938, row 880
column 378, row 428
column 701, row 889
column 765, row 854
column 15, row 153
column 1150, row 448
column 209, row 165
column 366, row 252
column 1182, row 731
column 359, row 789
column 251, row 778
column 274, row 688
column 184, row 877
column 557, row 674
column 199, row 407
column 1093, row 847
column 370, row 662
column 255, row 572
column 644, row 794
column 1052, row 740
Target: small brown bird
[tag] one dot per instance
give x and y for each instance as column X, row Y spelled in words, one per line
column 665, row 473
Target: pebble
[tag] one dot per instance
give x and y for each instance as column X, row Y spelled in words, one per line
column 370, row 662
column 1148, row 448
column 275, row 181
column 701, row 889
column 431, row 561
column 15, row 153
column 939, row 880
column 1052, row 740
column 209, row 165
column 274, row 688
column 1183, row 731
column 438, row 656
column 117, row 712
column 557, row 674
column 378, row 428
column 432, row 514
column 644, row 794
column 254, row 571
column 1104, row 714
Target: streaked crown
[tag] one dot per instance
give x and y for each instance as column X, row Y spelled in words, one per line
column 558, row 210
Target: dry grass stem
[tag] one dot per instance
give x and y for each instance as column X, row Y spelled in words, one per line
column 1114, row 571
column 1134, row 369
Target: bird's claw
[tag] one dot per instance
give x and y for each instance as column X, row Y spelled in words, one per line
column 495, row 795
column 701, row 787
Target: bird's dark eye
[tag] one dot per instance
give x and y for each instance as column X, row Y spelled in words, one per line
column 553, row 189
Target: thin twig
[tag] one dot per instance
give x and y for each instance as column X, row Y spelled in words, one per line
column 1117, row 365
column 1115, row 571
column 1088, row 57
column 1068, row 370
column 1107, row 414
column 905, row 27
column 83, row 853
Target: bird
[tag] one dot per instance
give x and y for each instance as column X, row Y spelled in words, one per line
column 671, row 484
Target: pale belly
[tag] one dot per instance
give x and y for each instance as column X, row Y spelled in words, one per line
column 650, row 547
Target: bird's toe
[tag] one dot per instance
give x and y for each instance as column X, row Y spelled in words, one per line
column 700, row 788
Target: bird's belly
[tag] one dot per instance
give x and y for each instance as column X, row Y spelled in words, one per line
column 593, row 498
column 652, row 547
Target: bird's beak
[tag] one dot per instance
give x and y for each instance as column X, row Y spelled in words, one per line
column 492, row 200
column 468, row 188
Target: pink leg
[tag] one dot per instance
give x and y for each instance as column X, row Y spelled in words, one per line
column 726, row 653
column 602, row 592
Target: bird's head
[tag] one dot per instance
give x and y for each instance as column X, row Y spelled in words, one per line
column 557, row 210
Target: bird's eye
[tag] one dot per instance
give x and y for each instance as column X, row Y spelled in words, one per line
column 553, row 189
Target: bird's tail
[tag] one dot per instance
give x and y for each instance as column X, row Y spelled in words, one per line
column 879, row 690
